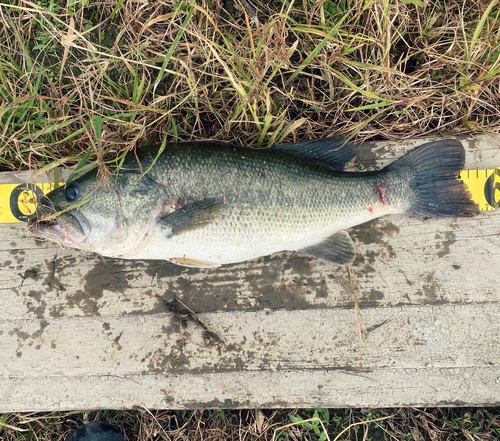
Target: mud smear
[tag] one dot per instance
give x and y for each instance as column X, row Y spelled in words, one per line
column 26, row 339
column 288, row 293
column 112, row 337
column 18, row 255
column 112, row 275
column 175, row 361
column 375, row 296
column 432, row 290
column 282, row 281
column 49, row 274
column 36, row 304
column 368, row 156
column 228, row 403
column 375, row 232
column 250, row 286
column 444, row 243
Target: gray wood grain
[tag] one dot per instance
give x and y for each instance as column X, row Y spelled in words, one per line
column 80, row 331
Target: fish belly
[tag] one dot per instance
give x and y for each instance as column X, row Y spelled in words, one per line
column 245, row 235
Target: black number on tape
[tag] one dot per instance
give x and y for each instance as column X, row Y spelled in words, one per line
column 490, row 188
column 30, row 193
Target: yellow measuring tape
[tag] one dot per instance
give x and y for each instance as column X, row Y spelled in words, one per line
column 484, row 186
column 18, row 201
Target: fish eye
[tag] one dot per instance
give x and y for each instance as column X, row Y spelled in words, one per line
column 71, row 193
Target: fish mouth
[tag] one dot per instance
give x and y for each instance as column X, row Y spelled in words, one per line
column 69, row 228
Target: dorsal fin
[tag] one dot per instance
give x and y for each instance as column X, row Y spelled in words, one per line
column 331, row 152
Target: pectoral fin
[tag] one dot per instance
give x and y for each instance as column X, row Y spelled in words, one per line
column 337, row 249
column 192, row 216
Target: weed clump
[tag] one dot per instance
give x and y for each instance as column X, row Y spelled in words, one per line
column 443, row 424
column 100, row 78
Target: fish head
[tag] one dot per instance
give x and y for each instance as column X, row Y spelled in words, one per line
column 105, row 218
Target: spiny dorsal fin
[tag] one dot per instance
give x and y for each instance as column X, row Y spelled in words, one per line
column 337, row 249
column 331, row 152
column 192, row 216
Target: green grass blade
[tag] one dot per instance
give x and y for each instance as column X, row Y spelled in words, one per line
column 172, row 48
column 82, row 166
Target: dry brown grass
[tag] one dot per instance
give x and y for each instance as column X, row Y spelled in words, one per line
column 104, row 76
column 444, row 424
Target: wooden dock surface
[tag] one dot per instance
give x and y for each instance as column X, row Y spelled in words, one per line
column 78, row 331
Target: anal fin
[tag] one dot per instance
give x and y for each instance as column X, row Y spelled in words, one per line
column 337, row 249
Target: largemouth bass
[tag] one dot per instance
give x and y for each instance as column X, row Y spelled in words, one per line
column 205, row 204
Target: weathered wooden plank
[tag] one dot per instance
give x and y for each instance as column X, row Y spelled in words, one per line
column 80, row 331
column 320, row 388
column 411, row 356
column 239, row 341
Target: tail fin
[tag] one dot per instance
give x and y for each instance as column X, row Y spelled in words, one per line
column 437, row 191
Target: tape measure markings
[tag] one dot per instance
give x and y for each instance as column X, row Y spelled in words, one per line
column 484, row 186
column 18, row 201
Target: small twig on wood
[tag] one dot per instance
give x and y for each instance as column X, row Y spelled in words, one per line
column 208, row 334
